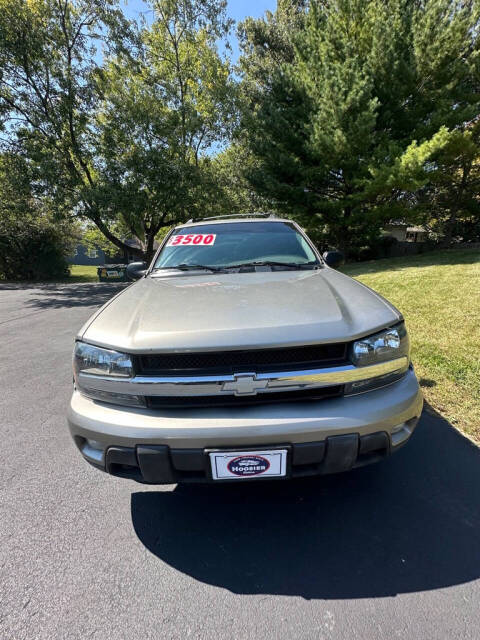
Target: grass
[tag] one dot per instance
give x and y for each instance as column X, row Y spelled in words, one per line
column 439, row 295
column 78, row 273
column 83, row 273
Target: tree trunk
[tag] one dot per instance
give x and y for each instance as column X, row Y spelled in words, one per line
column 126, row 248
column 149, row 248
column 344, row 241
column 455, row 209
column 450, row 228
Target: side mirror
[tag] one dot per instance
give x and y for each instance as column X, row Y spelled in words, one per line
column 334, row 259
column 136, row 270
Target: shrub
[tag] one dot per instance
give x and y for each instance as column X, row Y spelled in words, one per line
column 33, row 249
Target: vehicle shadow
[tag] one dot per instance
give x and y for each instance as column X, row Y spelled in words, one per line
column 410, row 523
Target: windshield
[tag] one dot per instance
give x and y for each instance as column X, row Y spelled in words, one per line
column 236, row 244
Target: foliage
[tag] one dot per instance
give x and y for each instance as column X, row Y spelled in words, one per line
column 345, row 131
column 158, row 115
column 32, row 251
column 227, row 191
column 93, row 238
column 449, row 203
column 118, row 142
column 48, row 53
column 269, row 43
column 32, row 244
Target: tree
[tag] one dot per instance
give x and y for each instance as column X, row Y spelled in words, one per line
column 122, row 141
column 160, row 113
column 225, row 189
column 48, row 53
column 269, row 43
column 343, row 132
column 93, row 238
column 449, row 203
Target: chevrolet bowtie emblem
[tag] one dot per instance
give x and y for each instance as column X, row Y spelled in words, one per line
column 245, row 384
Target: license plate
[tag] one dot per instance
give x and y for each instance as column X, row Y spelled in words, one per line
column 112, row 273
column 238, row 465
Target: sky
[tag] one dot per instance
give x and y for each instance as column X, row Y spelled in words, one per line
column 237, row 9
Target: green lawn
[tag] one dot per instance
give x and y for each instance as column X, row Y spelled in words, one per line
column 83, row 273
column 439, row 295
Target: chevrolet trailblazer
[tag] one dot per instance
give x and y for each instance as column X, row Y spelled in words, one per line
column 240, row 353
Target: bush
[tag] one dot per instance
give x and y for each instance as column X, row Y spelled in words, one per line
column 368, row 245
column 376, row 247
column 33, row 250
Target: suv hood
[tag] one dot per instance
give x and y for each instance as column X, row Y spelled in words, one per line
column 183, row 312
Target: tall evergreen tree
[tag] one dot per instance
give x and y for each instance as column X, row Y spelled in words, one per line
column 344, row 130
column 449, row 203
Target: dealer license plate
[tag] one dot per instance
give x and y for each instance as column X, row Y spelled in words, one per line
column 238, row 465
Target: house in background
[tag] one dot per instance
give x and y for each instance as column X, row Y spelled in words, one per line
column 403, row 232
column 416, row 234
column 129, row 256
column 133, row 242
column 96, row 257
column 86, row 256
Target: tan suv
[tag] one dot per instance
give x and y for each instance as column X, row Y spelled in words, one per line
column 241, row 354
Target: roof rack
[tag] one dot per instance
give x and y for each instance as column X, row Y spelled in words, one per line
column 235, row 215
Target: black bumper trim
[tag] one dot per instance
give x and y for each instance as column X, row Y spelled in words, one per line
column 342, row 452
column 188, row 459
column 158, row 464
column 308, row 453
column 155, row 464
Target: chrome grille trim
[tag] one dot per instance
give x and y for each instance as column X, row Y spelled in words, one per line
column 242, row 383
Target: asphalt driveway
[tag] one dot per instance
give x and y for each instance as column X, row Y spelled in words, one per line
column 388, row 551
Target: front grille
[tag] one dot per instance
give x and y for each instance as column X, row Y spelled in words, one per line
column 186, row 402
column 251, row 360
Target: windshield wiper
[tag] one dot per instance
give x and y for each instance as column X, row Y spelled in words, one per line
column 273, row 263
column 190, row 267
column 258, row 263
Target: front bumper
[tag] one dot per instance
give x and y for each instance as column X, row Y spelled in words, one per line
column 169, row 446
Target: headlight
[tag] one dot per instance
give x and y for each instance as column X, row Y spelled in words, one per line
column 389, row 345
column 90, row 363
column 386, row 345
column 101, row 362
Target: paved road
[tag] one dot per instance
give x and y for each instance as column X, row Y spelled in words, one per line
column 389, row 551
